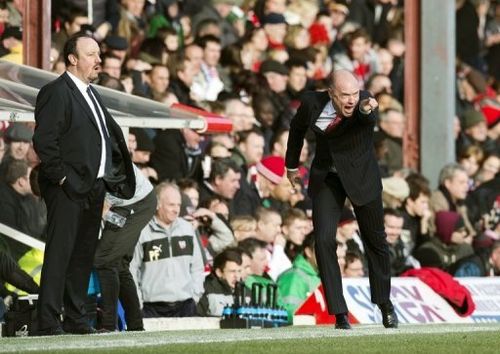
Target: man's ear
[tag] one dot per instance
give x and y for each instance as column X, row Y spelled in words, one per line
column 330, row 92
column 218, row 272
column 72, row 59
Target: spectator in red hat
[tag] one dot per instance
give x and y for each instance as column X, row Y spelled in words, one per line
column 270, row 172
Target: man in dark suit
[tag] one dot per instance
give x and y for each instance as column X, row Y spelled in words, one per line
column 177, row 154
column 83, row 154
column 344, row 165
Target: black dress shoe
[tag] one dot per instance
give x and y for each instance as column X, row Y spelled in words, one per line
column 389, row 316
column 342, row 321
column 55, row 331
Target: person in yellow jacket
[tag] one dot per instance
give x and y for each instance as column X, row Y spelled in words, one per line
column 31, row 263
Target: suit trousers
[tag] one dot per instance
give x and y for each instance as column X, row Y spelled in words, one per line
column 72, row 233
column 327, row 207
column 112, row 260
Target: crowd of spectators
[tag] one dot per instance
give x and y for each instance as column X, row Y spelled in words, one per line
column 225, row 211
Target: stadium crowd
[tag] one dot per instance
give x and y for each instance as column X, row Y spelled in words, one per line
column 225, row 210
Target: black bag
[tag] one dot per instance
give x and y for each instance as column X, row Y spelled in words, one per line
column 19, row 320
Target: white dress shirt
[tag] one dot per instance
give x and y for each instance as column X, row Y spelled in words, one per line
column 82, row 87
column 326, row 116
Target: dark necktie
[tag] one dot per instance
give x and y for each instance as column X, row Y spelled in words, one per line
column 334, row 123
column 107, row 166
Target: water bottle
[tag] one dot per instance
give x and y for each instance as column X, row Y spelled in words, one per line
column 115, row 219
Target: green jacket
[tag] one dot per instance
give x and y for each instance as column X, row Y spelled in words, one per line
column 296, row 284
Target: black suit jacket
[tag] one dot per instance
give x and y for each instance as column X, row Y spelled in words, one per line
column 68, row 143
column 349, row 148
column 170, row 159
column 247, row 199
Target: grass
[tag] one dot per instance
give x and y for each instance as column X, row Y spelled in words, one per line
column 471, row 338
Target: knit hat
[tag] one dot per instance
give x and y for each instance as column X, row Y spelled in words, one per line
column 396, row 187
column 472, row 118
column 446, row 223
column 18, row 132
column 273, row 66
column 273, row 18
column 319, row 34
column 273, row 168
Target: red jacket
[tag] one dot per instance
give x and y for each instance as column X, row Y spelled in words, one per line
column 448, row 288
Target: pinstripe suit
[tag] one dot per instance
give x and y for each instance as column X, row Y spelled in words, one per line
column 348, row 150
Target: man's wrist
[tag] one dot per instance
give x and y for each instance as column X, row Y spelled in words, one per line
column 364, row 112
column 292, row 169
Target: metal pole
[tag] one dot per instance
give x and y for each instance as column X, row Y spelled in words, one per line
column 90, row 13
column 438, row 86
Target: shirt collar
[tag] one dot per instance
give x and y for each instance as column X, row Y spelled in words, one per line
column 328, row 110
column 82, row 86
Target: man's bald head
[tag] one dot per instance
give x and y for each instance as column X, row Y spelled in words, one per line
column 344, row 92
column 342, row 78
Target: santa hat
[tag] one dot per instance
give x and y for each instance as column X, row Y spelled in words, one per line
column 319, row 34
column 273, row 168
